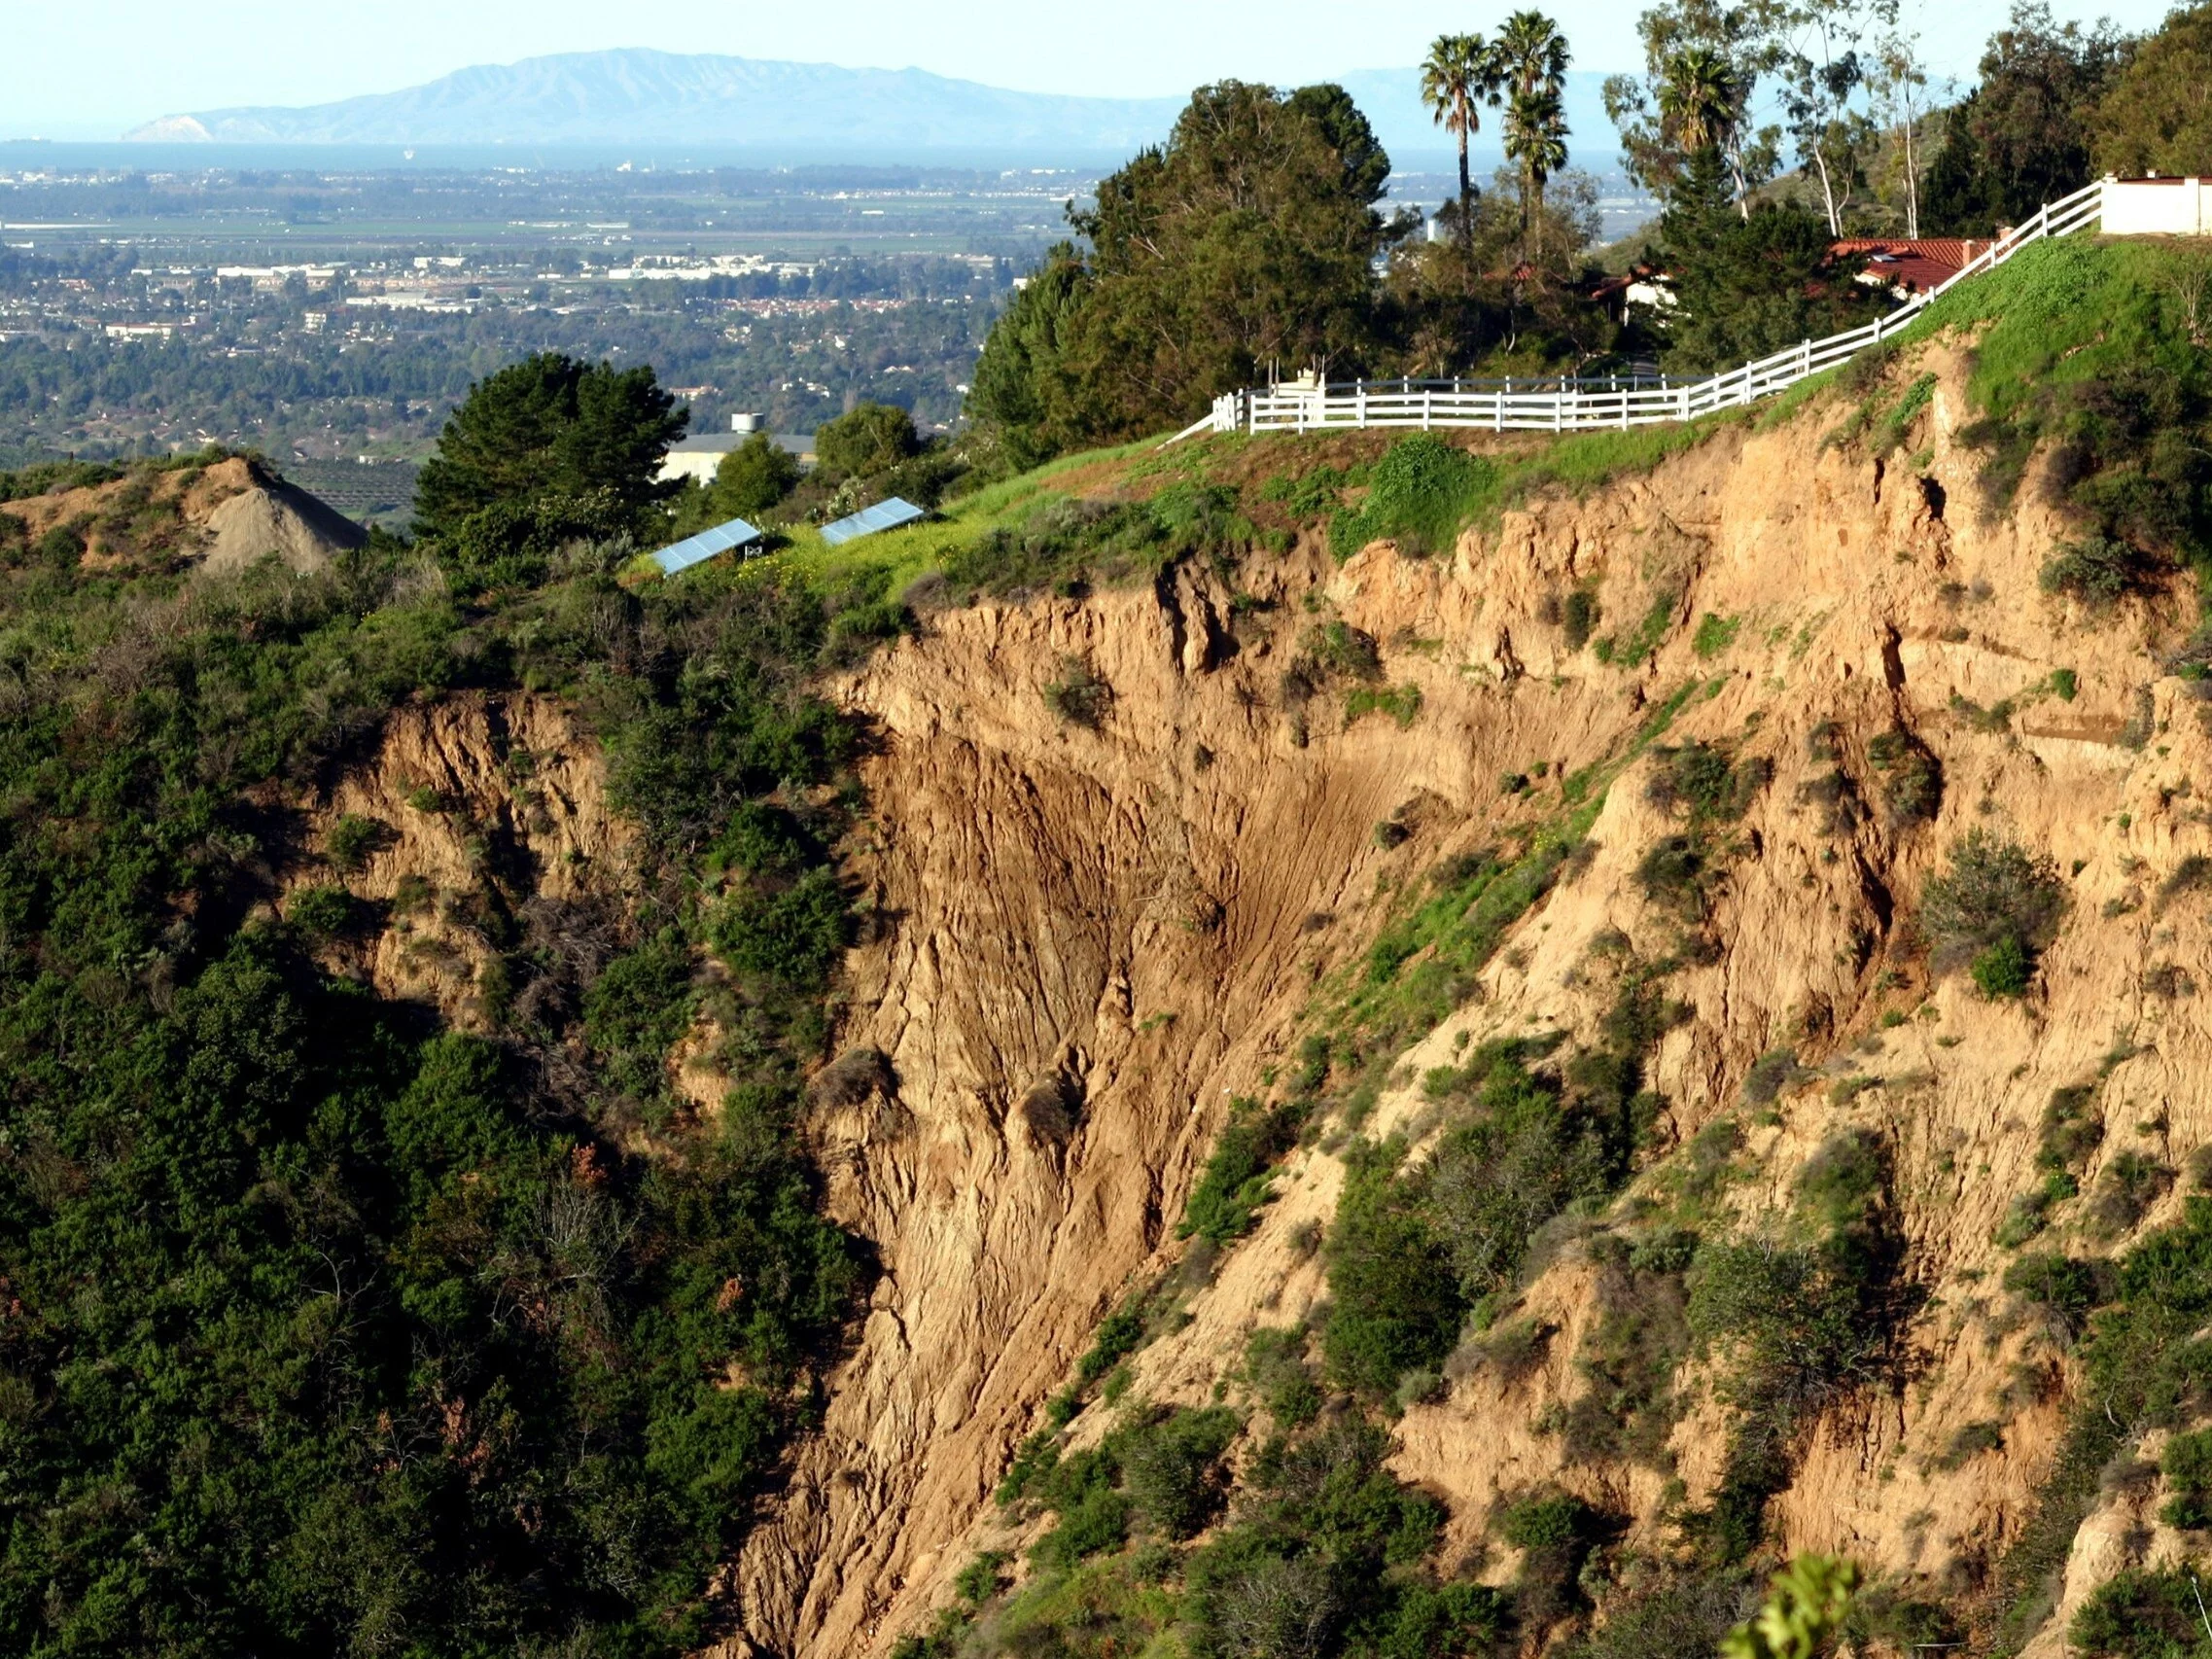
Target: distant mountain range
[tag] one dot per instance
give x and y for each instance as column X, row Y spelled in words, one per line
column 643, row 97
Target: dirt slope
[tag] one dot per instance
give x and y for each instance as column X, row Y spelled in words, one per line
column 1139, row 914
column 219, row 518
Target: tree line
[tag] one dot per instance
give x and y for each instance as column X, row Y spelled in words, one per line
column 1257, row 237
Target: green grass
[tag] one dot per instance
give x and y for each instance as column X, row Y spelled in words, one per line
column 1715, row 634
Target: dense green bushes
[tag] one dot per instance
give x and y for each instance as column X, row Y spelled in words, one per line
column 1996, row 907
column 328, row 1332
column 1411, row 1254
column 1235, row 1182
column 1798, row 1323
column 1420, row 494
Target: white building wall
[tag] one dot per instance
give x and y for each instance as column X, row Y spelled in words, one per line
column 2157, row 207
column 697, row 464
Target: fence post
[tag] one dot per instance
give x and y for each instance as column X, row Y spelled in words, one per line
column 1427, row 396
column 1805, row 367
column 1497, row 411
column 1362, row 409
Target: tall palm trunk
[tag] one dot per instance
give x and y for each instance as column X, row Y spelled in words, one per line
column 1467, row 190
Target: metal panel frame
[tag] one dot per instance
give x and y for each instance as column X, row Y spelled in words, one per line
column 869, row 521
column 706, row 544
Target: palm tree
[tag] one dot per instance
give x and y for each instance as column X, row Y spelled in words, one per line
column 1459, row 73
column 1700, row 102
column 1536, row 136
column 1531, row 69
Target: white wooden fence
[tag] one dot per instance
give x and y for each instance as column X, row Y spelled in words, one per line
column 1604, row 405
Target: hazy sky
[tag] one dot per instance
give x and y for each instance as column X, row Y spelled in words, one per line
column 90, row 69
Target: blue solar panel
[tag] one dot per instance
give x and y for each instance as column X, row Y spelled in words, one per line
column 699, row 549
column 883, row 516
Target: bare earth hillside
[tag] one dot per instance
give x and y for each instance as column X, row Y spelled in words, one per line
column 1091, row 939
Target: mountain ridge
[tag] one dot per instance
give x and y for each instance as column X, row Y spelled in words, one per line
column 645, row 95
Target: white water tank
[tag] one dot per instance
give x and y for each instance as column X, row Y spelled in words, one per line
column 747, row 422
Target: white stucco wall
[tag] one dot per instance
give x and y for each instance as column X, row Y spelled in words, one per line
column 2157, row 207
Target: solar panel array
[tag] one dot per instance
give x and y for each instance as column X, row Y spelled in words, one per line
column 883, row 516
column 699, row 549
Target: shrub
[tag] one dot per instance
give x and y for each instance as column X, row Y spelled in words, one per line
column 1078, row 696
column 2004, row 969
column 981, row 1579
column 1970, row 1441
column 1172, row 1469
column 1772, row 1073
column 1338, row 650
column 1715, row 634
column 2061, row 1288
column 1119, row 1334
column 1093, row 1514
column 352, row 839
column 793, row 937
column 323, row 912
column 2096, row 569
column 1580, row 617
column 2126, row 1187
column 2140, row 1614
column 1396, row 1303
column 1696, row 779
column 1912, row 787
column 1235, row 1182
column 1421, row 494
column 2187, row 1464
column 1807, row 1602
column 1275, row 1366
column 2069, row 1132
column 1997, row 906
column 1673, row 871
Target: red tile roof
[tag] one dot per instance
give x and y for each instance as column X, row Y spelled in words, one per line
column 1918, row 264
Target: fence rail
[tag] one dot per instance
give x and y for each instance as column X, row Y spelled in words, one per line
column 1605, row 403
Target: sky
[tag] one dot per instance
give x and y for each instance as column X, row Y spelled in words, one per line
column 90, row 69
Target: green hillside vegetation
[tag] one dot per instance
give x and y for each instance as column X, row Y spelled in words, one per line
column 324, row 1328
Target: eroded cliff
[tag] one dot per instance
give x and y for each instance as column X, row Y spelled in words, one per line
column 1093, row 936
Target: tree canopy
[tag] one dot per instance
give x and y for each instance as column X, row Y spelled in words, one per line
column 549, row 425
column 2021, row 137
column 1248, row 239
column 1748, row 284
column 2154, row 116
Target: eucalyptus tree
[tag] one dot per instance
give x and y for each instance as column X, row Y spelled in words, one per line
column 1460, row 73
column 1823, row 70
column 1901, row 90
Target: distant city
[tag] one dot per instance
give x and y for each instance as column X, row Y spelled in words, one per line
column 326, row 314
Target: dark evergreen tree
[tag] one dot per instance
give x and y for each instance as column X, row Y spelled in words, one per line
column 1748, row 287
column 551, row 425
column 2021, row 137
column 1247, row 239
